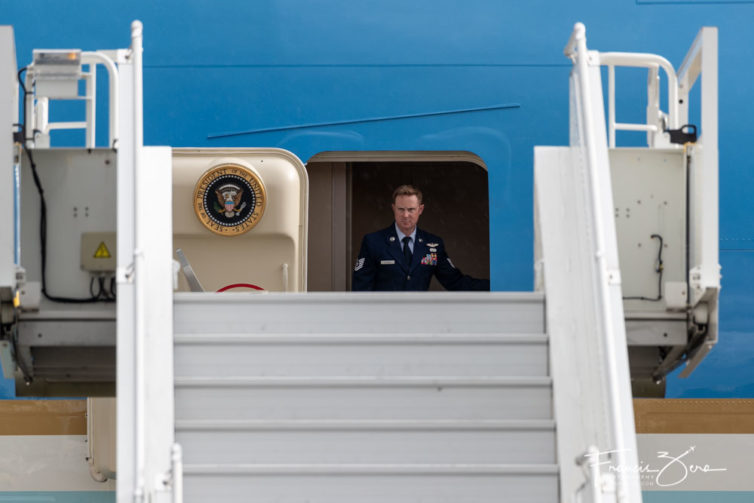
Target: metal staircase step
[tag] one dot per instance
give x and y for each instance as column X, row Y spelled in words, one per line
column 370, row 469
column 363, row 312
column 354, row 354
column 363, row 424
column 372, row 442
column 364, row 398
column 373, row 483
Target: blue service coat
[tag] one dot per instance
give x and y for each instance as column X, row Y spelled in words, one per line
column 381, row 266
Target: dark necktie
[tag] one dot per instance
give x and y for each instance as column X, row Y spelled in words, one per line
column 407, row 250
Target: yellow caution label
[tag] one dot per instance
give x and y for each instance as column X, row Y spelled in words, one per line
column 102, row 251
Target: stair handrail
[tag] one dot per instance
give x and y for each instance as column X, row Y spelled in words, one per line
column 592, row 138
column 149, row 465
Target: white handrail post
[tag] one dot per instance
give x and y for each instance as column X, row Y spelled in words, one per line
column 653, row 103
column 130, row 444
column 611, row 103
column 595, row 475
column 592, row 487
column 93, row 58
column 177, row 473
column 685, row 82
column 91, row 105
column 41, row 132
column 139, row 325
column 146, row 459
column 29, row 115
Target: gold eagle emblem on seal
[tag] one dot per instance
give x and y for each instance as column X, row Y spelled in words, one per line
column 229, row 199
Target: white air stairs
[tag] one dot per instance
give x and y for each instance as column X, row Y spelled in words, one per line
column 364, row 398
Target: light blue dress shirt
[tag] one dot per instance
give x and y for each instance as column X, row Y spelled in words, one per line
column 401, row 236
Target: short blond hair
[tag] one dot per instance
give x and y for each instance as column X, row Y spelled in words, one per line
column 407, row 190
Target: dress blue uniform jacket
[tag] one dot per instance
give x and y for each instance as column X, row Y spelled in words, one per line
column 381, row 265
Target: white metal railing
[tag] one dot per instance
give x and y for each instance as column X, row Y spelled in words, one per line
column 93, row 58
column 591, row 139
column 657, row 121
column 139, row 272
column 37, row 107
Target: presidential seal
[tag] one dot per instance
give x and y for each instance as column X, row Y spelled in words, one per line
column 229, row 199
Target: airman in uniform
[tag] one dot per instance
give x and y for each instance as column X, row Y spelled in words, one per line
column 404, row 257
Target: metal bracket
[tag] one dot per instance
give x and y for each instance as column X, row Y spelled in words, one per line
column 613, row 277
column 172, row 481
column 695, row 279
column 593, row 58
column 125, row 274
column 681, row 136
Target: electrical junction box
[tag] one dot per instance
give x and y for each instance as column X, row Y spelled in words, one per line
column 98, row 251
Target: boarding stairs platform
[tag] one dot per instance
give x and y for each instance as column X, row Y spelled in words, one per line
column 364, row 398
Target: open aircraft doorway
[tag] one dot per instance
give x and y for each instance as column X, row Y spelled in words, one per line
column 350, row 196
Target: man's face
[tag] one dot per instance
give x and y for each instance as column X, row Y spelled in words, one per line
column 406, row 210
